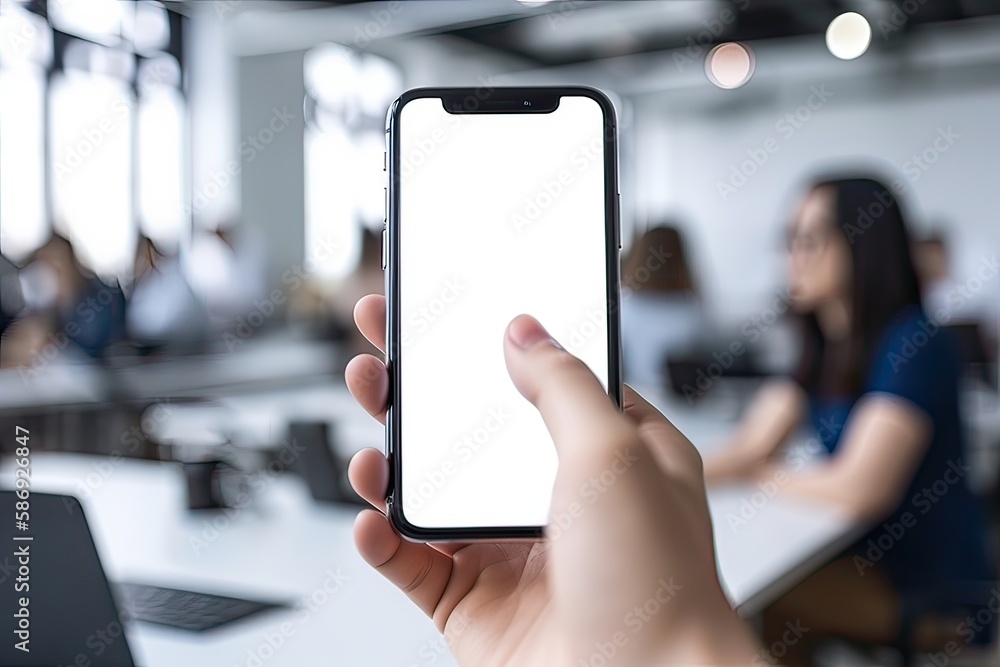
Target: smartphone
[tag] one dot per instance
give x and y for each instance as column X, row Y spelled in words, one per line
column 500, row 201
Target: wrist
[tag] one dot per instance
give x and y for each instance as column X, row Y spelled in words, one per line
column 716, row 636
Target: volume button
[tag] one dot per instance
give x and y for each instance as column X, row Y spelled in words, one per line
column 618, row 219
column 385, row 248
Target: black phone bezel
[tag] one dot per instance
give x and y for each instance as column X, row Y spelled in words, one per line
column 488, row 100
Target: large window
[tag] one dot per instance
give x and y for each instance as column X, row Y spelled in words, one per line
column 91, row 159
column 25, row 53
column 160, row 156
column 347, row 94
column 91, row 128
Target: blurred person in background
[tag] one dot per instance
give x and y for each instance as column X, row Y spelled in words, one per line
column 162, row 307
column 880, row 386
column 367, row 278
column 661, row 312
column 11, row 298
column 325, row 307
column 64, row 302
column 934, row 267
column 225, row 268
column 946, row 297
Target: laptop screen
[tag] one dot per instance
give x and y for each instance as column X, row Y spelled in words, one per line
column 56, row 606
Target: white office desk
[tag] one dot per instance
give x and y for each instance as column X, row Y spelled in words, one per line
column 779, row 543
column 71, row 380
column 50, row 385
column 283, row 546
column 764, row 545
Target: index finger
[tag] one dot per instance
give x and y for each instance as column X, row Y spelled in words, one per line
column 369, row 315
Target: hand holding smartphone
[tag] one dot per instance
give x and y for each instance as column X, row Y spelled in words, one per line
column 500, row 201
column 645, row 539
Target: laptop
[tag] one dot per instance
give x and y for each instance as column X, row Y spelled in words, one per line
column 56, row 605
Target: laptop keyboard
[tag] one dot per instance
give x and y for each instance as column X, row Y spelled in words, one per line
column 186, row 610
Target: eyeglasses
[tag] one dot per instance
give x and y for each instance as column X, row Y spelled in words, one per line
column 808, row 243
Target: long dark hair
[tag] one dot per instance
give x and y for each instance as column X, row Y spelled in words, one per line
column 673, row 275
column 883, row 284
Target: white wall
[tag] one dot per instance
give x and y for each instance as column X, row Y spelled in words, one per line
column 687, row 150
column 686, row 135
column 214, row 112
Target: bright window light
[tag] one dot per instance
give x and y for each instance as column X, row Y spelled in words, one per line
column 23, row 227
column 24, row 37
column 330, row 174
column 147, row 26
column 91, row 158
column 160, row 145
column 99, row 20
column 348, row 93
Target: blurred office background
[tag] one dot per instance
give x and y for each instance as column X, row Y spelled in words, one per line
column 191, row 201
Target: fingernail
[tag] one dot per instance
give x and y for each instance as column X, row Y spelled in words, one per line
column 526, row 332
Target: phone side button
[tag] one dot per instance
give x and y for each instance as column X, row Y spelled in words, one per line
column 385, row 247
column 618, row 220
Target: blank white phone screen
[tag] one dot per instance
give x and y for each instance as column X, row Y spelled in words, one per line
column 499, row 214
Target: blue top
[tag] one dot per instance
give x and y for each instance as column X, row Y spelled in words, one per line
column 936, row 544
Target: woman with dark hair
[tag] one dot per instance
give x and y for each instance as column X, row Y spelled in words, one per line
column 879, row 382
column 661, row 312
